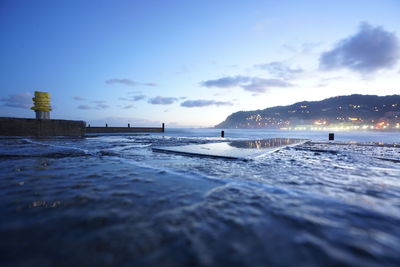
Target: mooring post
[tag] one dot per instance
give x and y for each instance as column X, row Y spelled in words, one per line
column 106, row 125
column 129, row 125
column 88, row 125
column 163, row 127
column 222, row 133
column 331, row 136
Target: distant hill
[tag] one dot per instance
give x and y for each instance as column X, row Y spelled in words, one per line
column 351, row 109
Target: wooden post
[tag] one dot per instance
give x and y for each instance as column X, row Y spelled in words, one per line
column 222, row 133
column 331, row 136
column 129, row 125
column 106, row 125
column 163, row 127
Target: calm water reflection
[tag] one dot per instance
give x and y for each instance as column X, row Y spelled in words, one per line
column 266, row 143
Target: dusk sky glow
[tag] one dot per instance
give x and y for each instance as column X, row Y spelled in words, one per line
column 192, row 63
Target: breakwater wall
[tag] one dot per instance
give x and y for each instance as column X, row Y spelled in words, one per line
column 46, row 127
column 124, row 129
column 41, row 127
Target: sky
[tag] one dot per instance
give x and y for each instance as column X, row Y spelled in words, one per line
column 192, row 63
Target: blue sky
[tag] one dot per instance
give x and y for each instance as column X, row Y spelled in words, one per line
column 192, row 63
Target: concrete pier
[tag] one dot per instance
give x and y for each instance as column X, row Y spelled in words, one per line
column 35, row 127
column 129, row 129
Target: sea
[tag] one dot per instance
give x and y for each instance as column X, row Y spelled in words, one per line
column 110, row 200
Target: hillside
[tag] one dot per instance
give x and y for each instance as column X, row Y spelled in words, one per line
column 344, row 110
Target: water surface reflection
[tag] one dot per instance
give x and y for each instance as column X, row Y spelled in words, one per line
column 266, row 143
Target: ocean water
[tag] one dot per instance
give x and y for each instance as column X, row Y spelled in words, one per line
column 110, row 200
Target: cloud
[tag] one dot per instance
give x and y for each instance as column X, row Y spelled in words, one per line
column 289, row 48
column 280, row 70
column 128, row 106
column 128, row 82
column 20, row 100
column 85, row 107
column 138, row 97
column 160, row 100
column 133, row 98
column 307, row 48
column 78, row 98
column 204, row 103
column 251, row 84
column 259, row 85
column 98, row 107
column 367, row 51
column 101, row 106
column 225, row 82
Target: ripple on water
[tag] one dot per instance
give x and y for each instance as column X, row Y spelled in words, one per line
column 111, row 200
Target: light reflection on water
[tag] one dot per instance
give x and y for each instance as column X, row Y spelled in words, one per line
column 266, row 143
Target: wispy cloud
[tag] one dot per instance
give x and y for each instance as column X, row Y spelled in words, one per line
column 98, row 107
column 101, row 106
column 259, row 85
column 138, row 97
column 160, row 100
column 251, row 84
column 309, row 47
column 204, row 103
column 78, row 98
column 128, row 107
column 133, row 98
column 128, row 82
column 20, row 100
column 85, row 107
column 225, row 82
column 369, row 50
column 280, row 70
